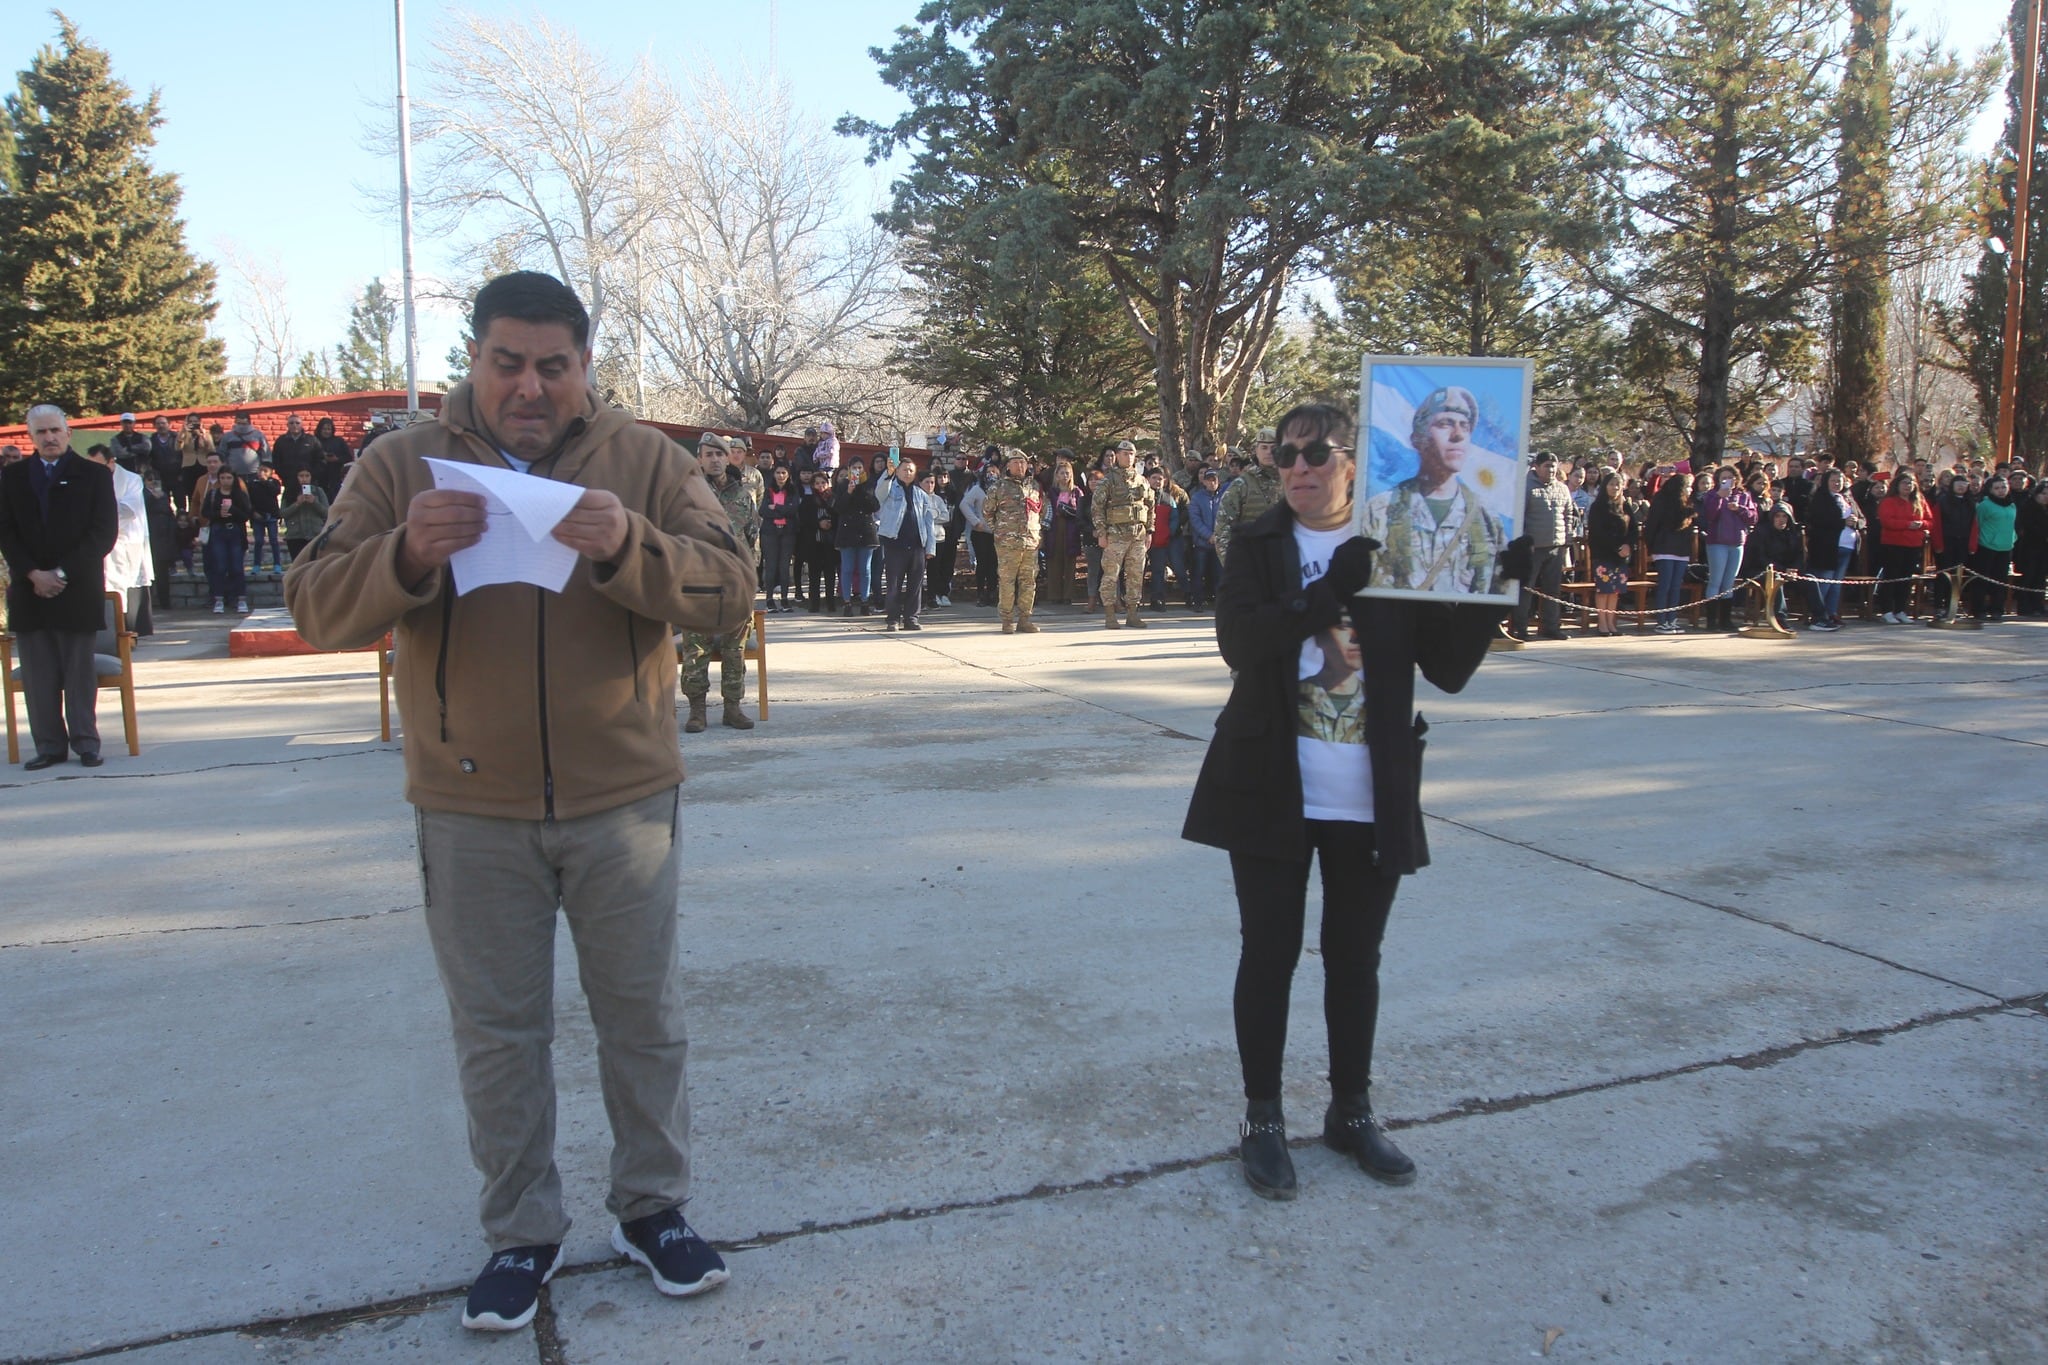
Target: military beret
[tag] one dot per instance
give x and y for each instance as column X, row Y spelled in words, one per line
column 711, row 440
column 1267, row 436
column 1126, row 445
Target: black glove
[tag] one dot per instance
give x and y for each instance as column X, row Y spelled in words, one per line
column 1350, row 566
column 1518, row 560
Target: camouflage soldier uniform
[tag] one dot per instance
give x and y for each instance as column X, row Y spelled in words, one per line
column 695, row 648
column 1247, row 498
column 1015, row 508
column 1123, row 522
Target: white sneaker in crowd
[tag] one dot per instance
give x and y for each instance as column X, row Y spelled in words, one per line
column 218, row 606
column 241, row 606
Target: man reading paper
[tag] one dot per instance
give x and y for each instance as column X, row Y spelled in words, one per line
column 541, row 756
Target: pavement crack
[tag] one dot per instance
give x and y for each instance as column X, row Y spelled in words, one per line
column 548, row 1342
column 209, row 928
column 1747, row 1061
column 1737, row 911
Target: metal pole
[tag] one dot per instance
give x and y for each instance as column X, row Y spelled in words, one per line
column 2016, row 243
column 412, row 343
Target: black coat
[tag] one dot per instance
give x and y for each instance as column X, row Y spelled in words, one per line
column 1248, row 797
column 75, row 537
column 853, row 518
column 1824, row 523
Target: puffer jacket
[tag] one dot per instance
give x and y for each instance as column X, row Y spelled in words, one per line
column 518, row 702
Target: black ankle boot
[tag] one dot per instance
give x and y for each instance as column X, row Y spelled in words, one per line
column 1350, row 1127
column 1262, row 1149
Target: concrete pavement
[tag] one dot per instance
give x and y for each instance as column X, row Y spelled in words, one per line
column 1717, row 1027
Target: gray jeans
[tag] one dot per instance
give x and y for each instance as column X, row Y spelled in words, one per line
column 492, row 889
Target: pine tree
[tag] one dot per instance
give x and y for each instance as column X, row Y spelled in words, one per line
column 367, row 360
column 1979, row 328
column 1856, row 416
column 1032, row 360
column 1201, row 152
column 1725, row 109
column 1480, row 267
column 101, row 306
column 315, row 376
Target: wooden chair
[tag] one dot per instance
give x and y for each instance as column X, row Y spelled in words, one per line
column 113, row 663
column 756, row 652
column 387, row 662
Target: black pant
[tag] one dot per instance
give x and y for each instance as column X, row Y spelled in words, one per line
column 824, row 562
column 984, row 567
column 1272, row 896
column 1989, row 597
column 939, row 568
column 1896, row 565
column 777, row 545
column 903, row 571
column 1546, row 576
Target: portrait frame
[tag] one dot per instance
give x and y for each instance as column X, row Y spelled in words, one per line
column 1455, row 558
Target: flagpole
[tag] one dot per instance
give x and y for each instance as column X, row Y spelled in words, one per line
column 412, row 345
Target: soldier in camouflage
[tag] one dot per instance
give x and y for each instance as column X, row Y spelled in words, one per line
column 1249, row 494
column 1122, row 515
column 742, row 513
column 1015, row 511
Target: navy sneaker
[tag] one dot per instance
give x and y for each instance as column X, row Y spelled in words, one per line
column 681, row 1262
column 505, row 1295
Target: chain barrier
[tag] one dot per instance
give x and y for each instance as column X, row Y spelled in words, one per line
column 1784, row 576
column 1740, row 585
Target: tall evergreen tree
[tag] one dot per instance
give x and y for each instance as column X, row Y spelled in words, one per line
column 368, row 359
column 101, row 305
column 1979, row 328
column 1032, row 360
column 1725, row 111
column 1856, row 400
column 1506, row 187
column 1202, row 152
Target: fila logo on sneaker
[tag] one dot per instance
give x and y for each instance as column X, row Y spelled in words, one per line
column 510, row 1262
column 669, row 1235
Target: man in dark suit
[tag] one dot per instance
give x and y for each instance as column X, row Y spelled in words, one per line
column 58, row 520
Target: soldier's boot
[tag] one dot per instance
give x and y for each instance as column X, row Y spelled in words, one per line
column 1027, row 627
column 1133, row 620
column 730, row 714
column 695, row 724
column 1009, row 626
column 1109, row 620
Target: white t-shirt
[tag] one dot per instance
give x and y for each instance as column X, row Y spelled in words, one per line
column 1329, row 724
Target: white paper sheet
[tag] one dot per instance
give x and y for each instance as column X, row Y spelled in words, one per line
column 517, row 546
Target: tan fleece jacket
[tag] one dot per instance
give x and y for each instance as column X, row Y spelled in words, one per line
column 518, row 702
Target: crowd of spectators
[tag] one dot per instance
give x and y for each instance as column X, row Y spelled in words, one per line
column 1833, row 531
column 230, row 503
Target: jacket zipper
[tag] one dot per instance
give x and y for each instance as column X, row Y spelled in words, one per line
column 633, row 654
column 547, row 766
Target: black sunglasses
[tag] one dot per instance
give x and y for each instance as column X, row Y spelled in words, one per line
column 1316, row 453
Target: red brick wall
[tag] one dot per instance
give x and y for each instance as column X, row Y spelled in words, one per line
column 351, row 414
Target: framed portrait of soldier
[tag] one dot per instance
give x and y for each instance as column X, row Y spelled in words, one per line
column 1442, row 469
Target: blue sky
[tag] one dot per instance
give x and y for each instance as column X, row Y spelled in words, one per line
column 265, row 107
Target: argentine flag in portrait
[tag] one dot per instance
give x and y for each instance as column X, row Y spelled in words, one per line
column 1496, row 438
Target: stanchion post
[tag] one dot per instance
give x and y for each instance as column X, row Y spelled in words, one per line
column 1955, row 620
column 1768, row 626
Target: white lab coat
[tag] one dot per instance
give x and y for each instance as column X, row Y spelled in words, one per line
column 128, row 563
